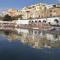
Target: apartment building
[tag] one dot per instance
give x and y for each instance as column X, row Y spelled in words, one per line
column 36, row 11
column 54, row 11
column 40, row 11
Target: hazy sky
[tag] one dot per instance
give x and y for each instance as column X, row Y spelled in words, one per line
column 22, row 3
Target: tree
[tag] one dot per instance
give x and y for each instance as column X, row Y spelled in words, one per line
column 7, row 18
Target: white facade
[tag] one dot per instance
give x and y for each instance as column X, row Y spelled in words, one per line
column 50, row 19
column 22, row 22
column 22, row 30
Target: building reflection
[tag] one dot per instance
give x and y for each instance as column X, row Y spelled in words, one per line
column 36, row 38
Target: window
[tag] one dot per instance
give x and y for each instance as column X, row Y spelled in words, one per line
column 50, row 10
column 29, row 22
column 56, row 20
column 44, row 21
column 50, row 15
column 39, row 16
column 32, row 21
column 54, row 11
column 49, row 23
column 35, row 21
column 39, row 21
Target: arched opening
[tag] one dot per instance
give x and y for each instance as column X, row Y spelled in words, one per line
column 44, row 21
column 35, row 21
column 32, row 21
column 39, row 21
column 57, row 22
column 29, row 22
column 49, row 23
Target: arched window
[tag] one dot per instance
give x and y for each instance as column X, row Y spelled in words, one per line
column 44, row 21
column 56, row 20
column 39, row 21
column 35, row 21
column 32, row 21
column 29, row 22
column 49, row 23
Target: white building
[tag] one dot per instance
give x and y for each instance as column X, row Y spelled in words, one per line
column 49, row 20
column 53, row 20
column 22, row 22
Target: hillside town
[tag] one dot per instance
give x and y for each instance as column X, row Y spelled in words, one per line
column 40, row 10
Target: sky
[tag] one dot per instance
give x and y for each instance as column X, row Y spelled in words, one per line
column 18, row 4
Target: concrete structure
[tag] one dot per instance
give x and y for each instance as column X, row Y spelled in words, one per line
column 52, row 20
column 48, row 20
column 34, row 24
column 54, row 11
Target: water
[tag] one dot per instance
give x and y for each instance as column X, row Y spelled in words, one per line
column 15, row 50
column 40, row 38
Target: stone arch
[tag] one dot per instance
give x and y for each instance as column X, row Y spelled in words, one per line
column 57, row 21
column 35, row 21
column 39, row 21
column 44, row 21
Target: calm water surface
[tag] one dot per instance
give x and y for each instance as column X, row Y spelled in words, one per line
column 15, row 50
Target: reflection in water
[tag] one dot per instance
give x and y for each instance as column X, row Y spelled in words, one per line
column 36, row 38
